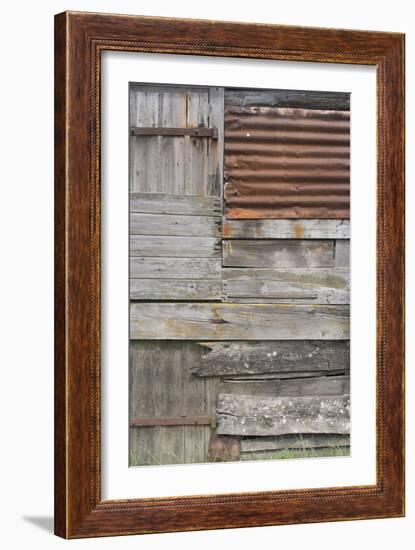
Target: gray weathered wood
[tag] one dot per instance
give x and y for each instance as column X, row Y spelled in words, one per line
column 215, row 148
column 278, row 253
column 320, row 385
column 288, row 98
column 294, row 441
column 238, row 321
column 159, row 203
column 277, row 357
column 259, row 416
column 161, row 387
column 196, row 150
column 342, row 253
column 175, row 289
column 172, row 224
column 305, row 285
column 175, row 268
column 286, row 229
column 157, row 163
column 174, row 247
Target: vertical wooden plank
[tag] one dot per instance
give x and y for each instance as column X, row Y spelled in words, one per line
column 196, row 148
column 211, row 390
column 144, row 371
column 144, row 153
column 170, row 388
column 215, row 147
column 193, row 404
column 171, row 158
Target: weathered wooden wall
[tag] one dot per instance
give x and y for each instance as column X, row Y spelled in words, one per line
column 175, row 255
column 239, row 327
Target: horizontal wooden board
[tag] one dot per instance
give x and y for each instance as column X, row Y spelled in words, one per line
column 263, row 416
column 175, row 289
column 172, row 224
column 160, row 203
column 273, row 357
column 175, row 247
column 322, row 286
column 320, row 385
column 175, row 268
column 286, row 229
column 278, row 253
column 294, row 441
column 238, row 321
column 245, row 98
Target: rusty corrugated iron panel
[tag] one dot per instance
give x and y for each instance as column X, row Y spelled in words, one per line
column 286, row 162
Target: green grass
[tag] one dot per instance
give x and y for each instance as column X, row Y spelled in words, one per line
column 148, row 459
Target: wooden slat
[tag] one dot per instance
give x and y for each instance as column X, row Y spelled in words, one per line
column 168, row 131
column 174, row 225
column 294, row 441
column 275, row 357
column 196, row 150
column 286, row 229
column 175, row 268
column 175, row 247
column 305, row 285
column 238, row 321
column 184, row 420
column 263, row 416
column 175, row 289
column 288, row 98
column 215, row 148
column 320, row 385
column 159, row 203
column 278, row 253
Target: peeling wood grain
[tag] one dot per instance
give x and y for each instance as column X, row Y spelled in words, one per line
column 172, row 224
column 175, row 289
column 160, row 203
column 175, row 268
column 286, row 229
column 247, row 415
column 305, row 285
column 238, row 321
column 294, row 441
column 176, row 247
column 320, row 385
column 272, row 357
column 287, row 98
column 278, row 253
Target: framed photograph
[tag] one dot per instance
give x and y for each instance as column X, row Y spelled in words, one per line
column 229, row 282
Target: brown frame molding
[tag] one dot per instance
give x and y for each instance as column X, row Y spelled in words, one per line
column 79, row 40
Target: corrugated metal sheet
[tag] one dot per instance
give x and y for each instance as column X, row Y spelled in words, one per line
column 286, row 162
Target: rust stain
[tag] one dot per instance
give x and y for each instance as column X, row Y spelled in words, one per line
column 286, row 162
column 298, row 230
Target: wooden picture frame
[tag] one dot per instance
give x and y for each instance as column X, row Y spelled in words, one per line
column 79, row 40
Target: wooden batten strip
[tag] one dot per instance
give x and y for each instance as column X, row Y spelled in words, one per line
column 273, row 358
column 247, row 415
column 162, row 203
column 286, row 229
column 219, row 321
